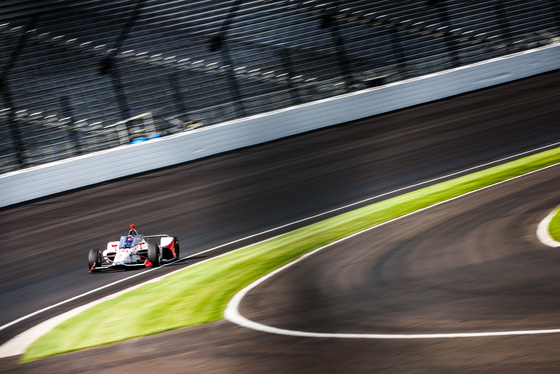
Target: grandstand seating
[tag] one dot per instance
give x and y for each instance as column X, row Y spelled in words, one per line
column 86, row 75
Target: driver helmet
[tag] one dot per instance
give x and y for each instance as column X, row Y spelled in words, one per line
column 129, row 241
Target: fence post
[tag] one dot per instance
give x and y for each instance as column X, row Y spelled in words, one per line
column 177, row 94
column 452, row 45
column 234, row 86
column 14, row 128
column 502, row 20
column 328, row 20
column 556, row 10
column 7, row 95
column 109, row 64
column 289, row 67
column 67, row 112
column 218, row 43
column 398, row 50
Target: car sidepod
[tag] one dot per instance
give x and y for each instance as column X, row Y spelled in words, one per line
column 170, row 248
column 110, row 251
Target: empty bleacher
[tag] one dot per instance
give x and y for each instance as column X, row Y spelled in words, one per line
column 86, row 75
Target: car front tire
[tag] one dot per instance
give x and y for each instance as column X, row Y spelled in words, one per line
column 94, row 260
column 153, row 254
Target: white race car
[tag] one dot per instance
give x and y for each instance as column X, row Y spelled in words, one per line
column 134, row 250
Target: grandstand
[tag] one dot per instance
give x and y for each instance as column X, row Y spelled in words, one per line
column 85, row 75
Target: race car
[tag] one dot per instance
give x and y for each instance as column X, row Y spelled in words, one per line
column 135, row 250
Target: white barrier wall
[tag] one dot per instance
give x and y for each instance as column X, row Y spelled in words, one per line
column 118, row 162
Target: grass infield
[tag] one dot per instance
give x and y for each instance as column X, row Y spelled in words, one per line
column 554, row 227
column 200, row 294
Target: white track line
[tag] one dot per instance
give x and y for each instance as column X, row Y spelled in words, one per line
column 19, row 344
column 232, row 311
column 544, row 234
column 501, row 160
column 69, row 314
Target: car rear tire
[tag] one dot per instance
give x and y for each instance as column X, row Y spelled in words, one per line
column 153, row 254
column 94, row 260
column 176, row 244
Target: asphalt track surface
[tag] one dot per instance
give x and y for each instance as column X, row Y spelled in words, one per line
column 472, row 265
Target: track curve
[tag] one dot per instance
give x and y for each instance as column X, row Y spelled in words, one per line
column 216, row 200
column 469, row 266
column 472, row 264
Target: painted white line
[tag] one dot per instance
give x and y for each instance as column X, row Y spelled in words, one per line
column 543, row 234
column 128, row 278
column 19, row 344
column 55, row 321
column 23, row 318
column 232, row 311
column 412, row 186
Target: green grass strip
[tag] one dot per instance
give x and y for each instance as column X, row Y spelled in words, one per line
column 554, row 227
column 200, row 294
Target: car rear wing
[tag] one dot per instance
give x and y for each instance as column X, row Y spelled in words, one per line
column 156, row 236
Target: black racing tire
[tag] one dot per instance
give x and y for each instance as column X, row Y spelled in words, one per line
column 153, row 254
column 94, row 260
column 177, row 250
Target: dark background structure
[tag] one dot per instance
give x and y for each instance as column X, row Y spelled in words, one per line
column 80, row 76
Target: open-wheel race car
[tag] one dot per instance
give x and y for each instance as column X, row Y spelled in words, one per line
column 135, row 250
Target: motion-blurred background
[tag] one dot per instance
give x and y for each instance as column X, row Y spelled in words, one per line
column 81, row 76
